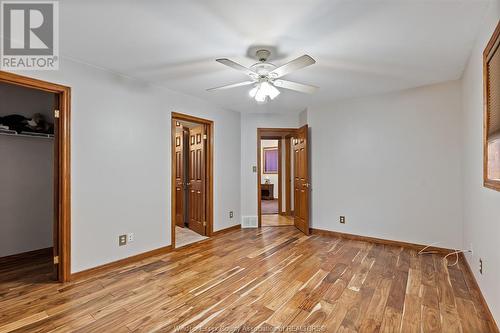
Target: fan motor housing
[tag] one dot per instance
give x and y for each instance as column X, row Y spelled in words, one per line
column 262, row 68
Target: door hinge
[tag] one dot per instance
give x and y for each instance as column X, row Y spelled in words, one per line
column 56, row 259
column 204, row 136
column 204, row 223
column 56, row 113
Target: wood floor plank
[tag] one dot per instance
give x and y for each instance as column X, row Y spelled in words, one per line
column 272, row 278
column 411, row 315
column 372, row 320
column 392, row 321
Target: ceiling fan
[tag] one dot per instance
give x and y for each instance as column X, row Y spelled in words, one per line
column 266, row 77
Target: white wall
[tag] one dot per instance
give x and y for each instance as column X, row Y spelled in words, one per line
column 249, row 125
column 26, row 174
column 303, row 118
column 481, row 205
column 273, row 178
column 391, row 165
column 121, row 162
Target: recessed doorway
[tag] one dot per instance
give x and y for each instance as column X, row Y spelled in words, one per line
column 192, row 174
column 282, row 177
column 272, row 189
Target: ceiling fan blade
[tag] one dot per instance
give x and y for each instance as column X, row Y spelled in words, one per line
column 304, row 88
column 237, row 66
column 291, row 66
column 234, row 85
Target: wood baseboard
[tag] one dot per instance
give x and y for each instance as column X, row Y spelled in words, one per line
column 226, row 230
column 138, row 257
column 413, row 246
column 121, row 262
column 480, row 294
column 33, row 253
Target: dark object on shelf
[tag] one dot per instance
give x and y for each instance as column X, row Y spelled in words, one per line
column 14, row 122
column 267, row 191
column 39, row 124
column 20, row 124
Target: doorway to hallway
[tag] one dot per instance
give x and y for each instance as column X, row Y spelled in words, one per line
column 282, row 177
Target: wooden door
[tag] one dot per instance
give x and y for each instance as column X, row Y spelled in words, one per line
column 301, row 180
column 197, row 172
column 179, row 174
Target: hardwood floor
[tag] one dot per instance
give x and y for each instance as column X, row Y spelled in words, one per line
column 21, row 270
column 266, row 278
column 269, row 207
column 276, row 220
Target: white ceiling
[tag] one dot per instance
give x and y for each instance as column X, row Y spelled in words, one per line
column 361, row 47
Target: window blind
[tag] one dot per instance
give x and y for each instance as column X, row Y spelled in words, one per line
column 493, row 94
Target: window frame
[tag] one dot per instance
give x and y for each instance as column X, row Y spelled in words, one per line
column 265, row 171
column 492, row 47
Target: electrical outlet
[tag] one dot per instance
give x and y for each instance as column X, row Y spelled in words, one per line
column 122, row 240
column 231, row 214
column 254, row 168
column 130, row 237
column 481, row 266
column 342, row 219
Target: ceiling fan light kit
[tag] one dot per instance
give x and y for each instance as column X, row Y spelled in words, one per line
column 265, row 76
column 264, row 91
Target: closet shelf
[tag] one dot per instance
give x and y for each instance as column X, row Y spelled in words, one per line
column 26, row 134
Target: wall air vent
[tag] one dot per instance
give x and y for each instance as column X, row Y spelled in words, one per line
column 249, row 222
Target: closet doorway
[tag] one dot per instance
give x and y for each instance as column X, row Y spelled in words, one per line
column 192, row 174
column 35, row 192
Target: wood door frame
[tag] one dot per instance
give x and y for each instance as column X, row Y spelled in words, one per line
column 270, row 134
column 288, row 176
column 62, row 167
column 487, row 53
column 209, row 192
column 280, row 177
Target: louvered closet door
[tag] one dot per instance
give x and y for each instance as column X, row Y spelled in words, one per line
column 197, row 172
column 301, row 180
